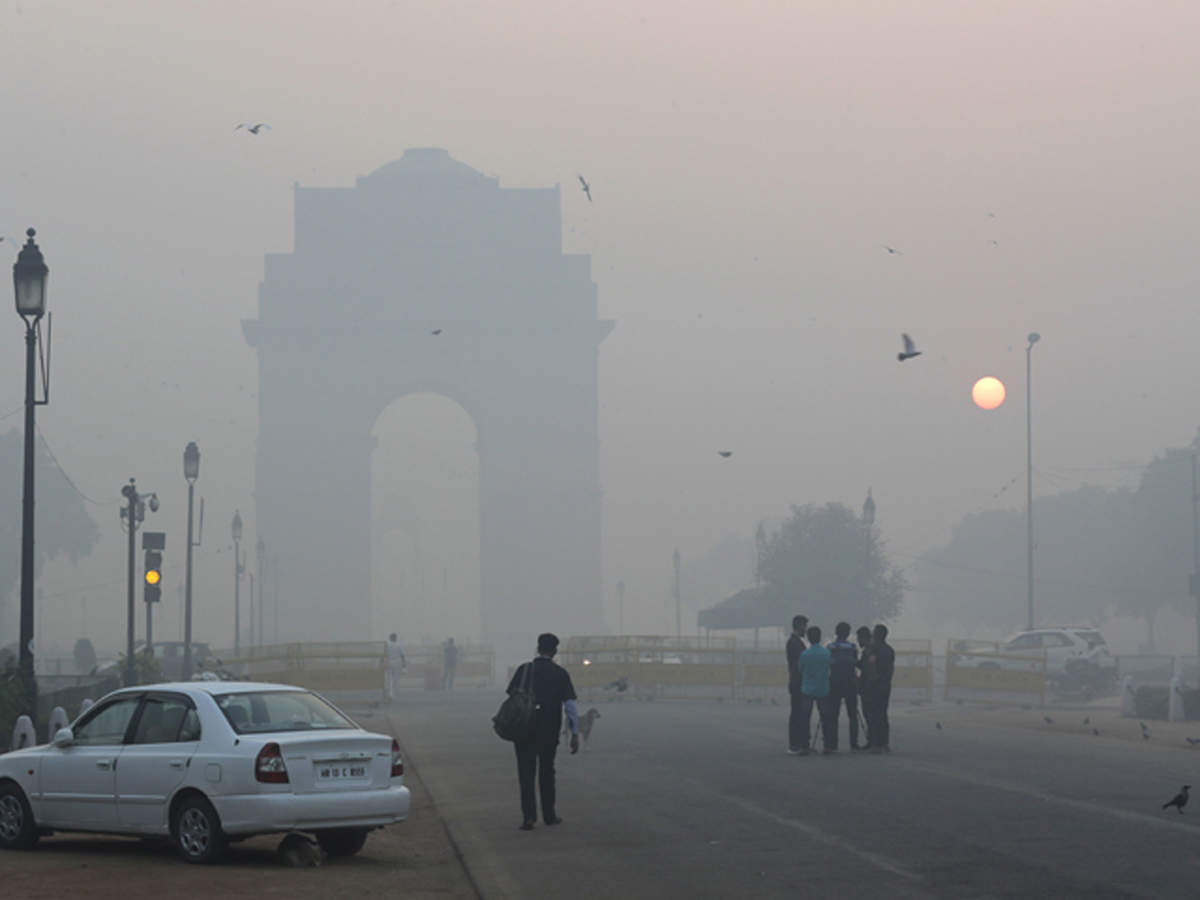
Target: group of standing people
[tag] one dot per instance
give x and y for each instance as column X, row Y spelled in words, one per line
column 838, row 674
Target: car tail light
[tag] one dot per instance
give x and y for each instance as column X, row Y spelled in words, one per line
column 269, row 766
column 397, row 763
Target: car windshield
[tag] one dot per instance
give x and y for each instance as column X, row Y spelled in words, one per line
column 259, row 712
column 1094, row 639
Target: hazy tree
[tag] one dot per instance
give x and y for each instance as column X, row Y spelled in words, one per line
column 1158, row 526
column 979, row 578
column 831, row 566
column 63, row 523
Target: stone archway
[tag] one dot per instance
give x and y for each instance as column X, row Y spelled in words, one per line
column 347, row 324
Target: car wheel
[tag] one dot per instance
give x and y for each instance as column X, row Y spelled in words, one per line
column 197, row 831
column 342, row 841
column 17, row 828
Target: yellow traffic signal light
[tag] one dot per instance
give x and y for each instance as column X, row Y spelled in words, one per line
column 153, row 576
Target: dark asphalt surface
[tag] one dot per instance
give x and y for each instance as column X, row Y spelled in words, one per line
column 698, row 799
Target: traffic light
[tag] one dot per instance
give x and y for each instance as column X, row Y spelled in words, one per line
column 153, row 576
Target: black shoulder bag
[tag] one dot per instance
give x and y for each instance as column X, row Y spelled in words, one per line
column 516, row 718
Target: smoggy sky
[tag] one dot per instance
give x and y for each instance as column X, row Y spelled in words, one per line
column 748, row 163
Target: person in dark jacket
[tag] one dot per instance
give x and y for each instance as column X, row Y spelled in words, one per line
column 843, row 685
column 880, row 666
column 795, row 646
column 863, row 635
column 554, row 693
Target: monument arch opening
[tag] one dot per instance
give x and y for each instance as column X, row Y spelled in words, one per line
column 425, row 521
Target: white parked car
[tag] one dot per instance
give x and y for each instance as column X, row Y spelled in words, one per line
column 204, row 763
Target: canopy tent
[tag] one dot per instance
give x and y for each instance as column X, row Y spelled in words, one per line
column 756, row 607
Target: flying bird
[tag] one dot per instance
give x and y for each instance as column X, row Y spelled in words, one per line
column 587, row 188
column 253, row 129
column 892, row 250
column 436, row 331
column 724, row 454
column 1179, row 801
column 910, row 349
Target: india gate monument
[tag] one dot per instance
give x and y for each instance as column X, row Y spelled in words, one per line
column 346, row 325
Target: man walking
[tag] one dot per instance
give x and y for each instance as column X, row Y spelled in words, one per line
column 814, row 689
column 553, row 692
column 881, row 665
column 795, row 646
column 396, row 666
column 843, row 685
column 449, row 662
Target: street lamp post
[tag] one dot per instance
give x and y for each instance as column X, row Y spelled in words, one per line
column 191, row 471
column 1034, row 337
column 868, row 518
column 678, row 617
column 238, row 569
column 260, row 551
column 29, row 286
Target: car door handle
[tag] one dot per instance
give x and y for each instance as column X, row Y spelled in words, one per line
column 175, row 763
column 103, row 763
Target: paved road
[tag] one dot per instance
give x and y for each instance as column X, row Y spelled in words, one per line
column 699, row 800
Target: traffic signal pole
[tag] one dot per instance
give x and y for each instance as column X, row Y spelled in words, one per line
column 131, row 520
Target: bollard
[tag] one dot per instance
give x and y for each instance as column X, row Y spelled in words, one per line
column 1128, row 695
column 1175, row 700
column 23, row 734
column 58, row 719
column 85, row 705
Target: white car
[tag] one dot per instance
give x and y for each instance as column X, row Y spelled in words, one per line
column 203, row 763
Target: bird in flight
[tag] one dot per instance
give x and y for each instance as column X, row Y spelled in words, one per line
column 1179, row 801
column 892, row 250
column 253, row 129
column 587, row 188
column 436, row 331
column 910, row 349
column 724, row 454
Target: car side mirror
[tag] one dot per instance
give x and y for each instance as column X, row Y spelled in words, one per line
column 64, row 737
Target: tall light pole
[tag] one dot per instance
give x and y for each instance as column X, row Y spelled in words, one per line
column 1195, row 579
column 621, row 606
column 260, row 552
column 191, row 471
column 29, row 286
column 678, row 617
column 1034, row 337
column 868, row 518
column 238, row 568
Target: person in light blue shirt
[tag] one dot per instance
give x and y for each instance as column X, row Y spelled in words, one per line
column 814, row 689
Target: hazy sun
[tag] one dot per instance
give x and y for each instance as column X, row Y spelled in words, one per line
column 988, row 392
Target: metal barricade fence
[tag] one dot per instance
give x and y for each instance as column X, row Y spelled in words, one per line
column 651, row 667
column 981, row 671
column 354, row 665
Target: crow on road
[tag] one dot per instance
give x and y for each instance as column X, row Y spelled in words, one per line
column 1179, row 801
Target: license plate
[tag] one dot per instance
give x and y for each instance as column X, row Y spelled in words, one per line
column 331, row 772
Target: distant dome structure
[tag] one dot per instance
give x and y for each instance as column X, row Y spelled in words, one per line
column 425, row 162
